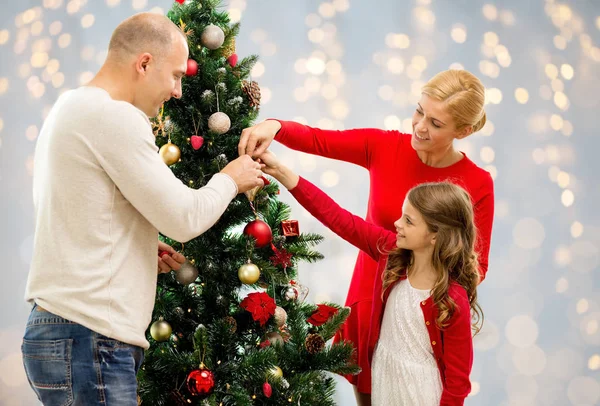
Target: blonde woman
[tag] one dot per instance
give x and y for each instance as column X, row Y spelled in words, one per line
column 450, row 108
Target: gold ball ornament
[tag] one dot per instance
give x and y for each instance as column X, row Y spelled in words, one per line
column 275, row 372
column 170, row 153
column 249, row 273
column 219, row 123
column 186, row 274
column 161, row 330
column 280, row 316
column 212, row 37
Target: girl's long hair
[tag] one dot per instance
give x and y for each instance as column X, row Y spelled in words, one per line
column 447, row 210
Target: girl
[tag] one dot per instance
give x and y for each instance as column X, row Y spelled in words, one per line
column 420, row 348
column 451, row 107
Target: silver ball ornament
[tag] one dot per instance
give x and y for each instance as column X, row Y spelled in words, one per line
column 212, row 37
column 186, row 274
column 219, row 122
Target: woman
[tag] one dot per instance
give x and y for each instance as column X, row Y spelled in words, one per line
column 451, row 107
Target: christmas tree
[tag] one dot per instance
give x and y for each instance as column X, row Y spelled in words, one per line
column 231, row 326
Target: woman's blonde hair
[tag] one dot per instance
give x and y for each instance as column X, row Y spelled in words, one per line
column 463, row 94
column 447, row 210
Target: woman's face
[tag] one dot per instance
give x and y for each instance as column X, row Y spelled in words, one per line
column 433, row 127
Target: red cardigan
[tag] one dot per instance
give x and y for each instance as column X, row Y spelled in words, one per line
column 452, row 348
column 394, row 168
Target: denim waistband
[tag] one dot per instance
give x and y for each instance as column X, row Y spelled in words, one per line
column 43, row 316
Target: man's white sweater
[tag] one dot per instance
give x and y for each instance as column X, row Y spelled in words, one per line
column 101, row 194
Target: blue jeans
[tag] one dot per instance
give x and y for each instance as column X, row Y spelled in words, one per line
column 70, row 365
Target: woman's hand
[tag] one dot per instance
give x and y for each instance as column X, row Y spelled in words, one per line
column 271, row 166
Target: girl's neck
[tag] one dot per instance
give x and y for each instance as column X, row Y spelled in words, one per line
column 421, row 271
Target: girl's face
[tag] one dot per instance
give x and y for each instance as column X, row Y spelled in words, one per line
column 412, row 232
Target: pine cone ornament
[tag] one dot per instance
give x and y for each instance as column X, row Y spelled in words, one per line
column 252, row 90
column 232, row 323
column 314, row 343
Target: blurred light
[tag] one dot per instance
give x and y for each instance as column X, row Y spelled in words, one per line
column 52, row 4
column 313, row 20
column 3, row 85
column 58, row 79
column 340, row 109
column 4, row 36
column 316, row 35
column 87, row 53
column 539, row 156
column 583, row 390
column 327, row 10
column 112, row 3
column 341, row 5
column 235, row 14
column 419, row 62
column 566, row 71
column 399, row 41
column 31, row 133
column 582, row 306
column 563, row 179
column 88, row 20
column 567, row 198
column 557, row 85
column 315, row 66
column 265, row 95
column 492, row 170
column 1, row 124
column 456, row 65
column 491, row 39
column 487, row 155
column 258, row 70
column 64, row 40
column 268, row 49
column 329, row 91
column 521, row 331
column 562, row 285
column 392, row 122
column 528, row 233
column 529, row 361
column 39, row 59
column 459, row 33
column 325, row 124
column 567, row 128
column 301, row 94
column 36, row 28
column 139, row 4
column 493, row 95
column 576, row 229
column 395, row 65
column 561, row 101
column 55, row 28
column 259, row 35
column 85, row 77
column 594, row 362
column 386, row 92
column 522, row 95
column 475, row 388
column 551, row 71
column 545, row 92
column 300, row 66
column 407, row 126
column 556, row 122
column 424, row 15
column 507, row 17
column 488, row 128
column 560, row 42
column 412, row 72
column 562, row 256
column 330, row 178
column 159, row 10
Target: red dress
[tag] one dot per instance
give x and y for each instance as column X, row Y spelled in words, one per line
column 394, row 168
column 452, row 347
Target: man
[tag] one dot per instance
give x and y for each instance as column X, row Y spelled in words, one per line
column 101, row 194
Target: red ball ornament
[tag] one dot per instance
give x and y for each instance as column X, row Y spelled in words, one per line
column 201, row 382
column 196, row 141
column 163, row 253
column 192, row 68
column 232, row 60
column 180, row 1
column 260, row 231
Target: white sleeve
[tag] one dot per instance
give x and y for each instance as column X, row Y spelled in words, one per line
column 126, row 151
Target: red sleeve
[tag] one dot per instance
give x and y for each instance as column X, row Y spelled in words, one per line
column 458, row 354
column 484, row 217
column 363, row 235
column 354, row 146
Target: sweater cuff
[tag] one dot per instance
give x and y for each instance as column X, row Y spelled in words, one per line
column 224, row 184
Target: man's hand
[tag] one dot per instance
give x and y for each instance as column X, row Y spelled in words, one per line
column 245, row 173
column 256, row 139
column 168, row 258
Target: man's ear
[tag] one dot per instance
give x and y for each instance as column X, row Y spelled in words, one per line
column 142, row 62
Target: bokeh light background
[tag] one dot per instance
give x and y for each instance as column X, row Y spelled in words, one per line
column 350, row 63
